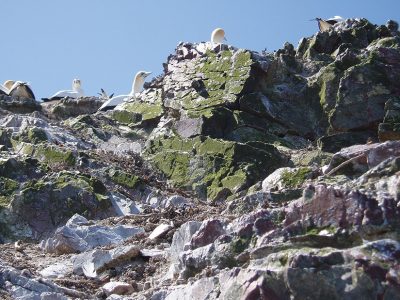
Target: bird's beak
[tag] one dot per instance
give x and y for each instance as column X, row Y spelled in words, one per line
column 147, row 74
column 225, row 39
column 315, row 19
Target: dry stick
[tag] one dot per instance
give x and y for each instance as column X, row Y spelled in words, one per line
column 66, row 291
column 343, row 164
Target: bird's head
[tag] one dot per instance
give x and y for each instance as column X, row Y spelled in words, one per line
column 218, row 36
column 76, row 83
column 143, row 74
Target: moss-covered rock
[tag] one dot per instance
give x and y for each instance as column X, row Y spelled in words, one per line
column 389, row 129
column 123, row 178
column 48, row 153
column 209, row 166
column 36, row 135
column 49, row 202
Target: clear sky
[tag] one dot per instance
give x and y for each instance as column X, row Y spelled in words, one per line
column 105, row 42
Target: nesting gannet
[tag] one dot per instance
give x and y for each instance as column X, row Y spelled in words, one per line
column 8, row 84
column 76, row 92
column 20, row 89
column 218, row 36
column 324, row 25
column 137, row 85
column 3, row 90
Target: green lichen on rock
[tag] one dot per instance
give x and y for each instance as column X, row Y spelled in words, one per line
column 125, row 179
column 295, row 178
column 37, row 135
column 389, row 129
column 138, row 111
column 210, row 166
column 49, row 202
column 47, row 153
column 125, row 117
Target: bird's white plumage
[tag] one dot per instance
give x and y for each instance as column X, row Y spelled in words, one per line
column 4, row 90
column 8, row 84
column 137, row 85
column 218, row 36
column 76, row 91
column 336, row 18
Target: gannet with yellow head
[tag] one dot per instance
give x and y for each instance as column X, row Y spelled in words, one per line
column 76, row 92
column 137, row 85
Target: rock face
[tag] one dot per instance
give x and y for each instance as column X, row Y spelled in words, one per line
column 233, row 175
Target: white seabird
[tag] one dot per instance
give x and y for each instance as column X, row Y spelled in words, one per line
column 3, row 90
column 137, row 85
column 218, row 36
column 6, row 86
column 76, row 92
column 19, row 89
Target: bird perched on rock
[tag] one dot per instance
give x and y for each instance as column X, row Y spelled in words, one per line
column 325, row 25
column 3, row 90
column 76, row 92
column 19, row 89
column 137, row 85
column 218, row 36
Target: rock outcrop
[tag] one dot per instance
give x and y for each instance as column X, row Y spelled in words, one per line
column 233, row 175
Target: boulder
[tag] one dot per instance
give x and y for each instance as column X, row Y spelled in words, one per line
column 92, row 263
column 78, row 235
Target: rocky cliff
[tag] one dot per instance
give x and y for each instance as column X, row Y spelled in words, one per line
column 234, row 175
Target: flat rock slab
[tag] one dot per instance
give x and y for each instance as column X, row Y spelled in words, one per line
column 79, row 236
column 94, row 262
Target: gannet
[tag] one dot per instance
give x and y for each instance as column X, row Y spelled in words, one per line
column 76, row 92
column 324, row 25
column 218, row 36
column 20, row 89
column 3, row 90
column 137, row 85
column 6, row 86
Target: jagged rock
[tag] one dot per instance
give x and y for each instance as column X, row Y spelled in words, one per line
column 389, row 128
column 92, row 263
column 79, row 235
column 248, row 131
column 204, row 288
column 176, row 201
column 69, row 107
column 124, row 206
column 208, row 232
column 20, row 105
column 46, row 204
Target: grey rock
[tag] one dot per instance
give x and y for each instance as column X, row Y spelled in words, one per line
column 78, row 236
column 92, row 263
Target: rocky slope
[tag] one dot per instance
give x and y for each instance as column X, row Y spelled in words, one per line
column 234, row 175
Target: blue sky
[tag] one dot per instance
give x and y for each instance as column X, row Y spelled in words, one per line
column 105, row 42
